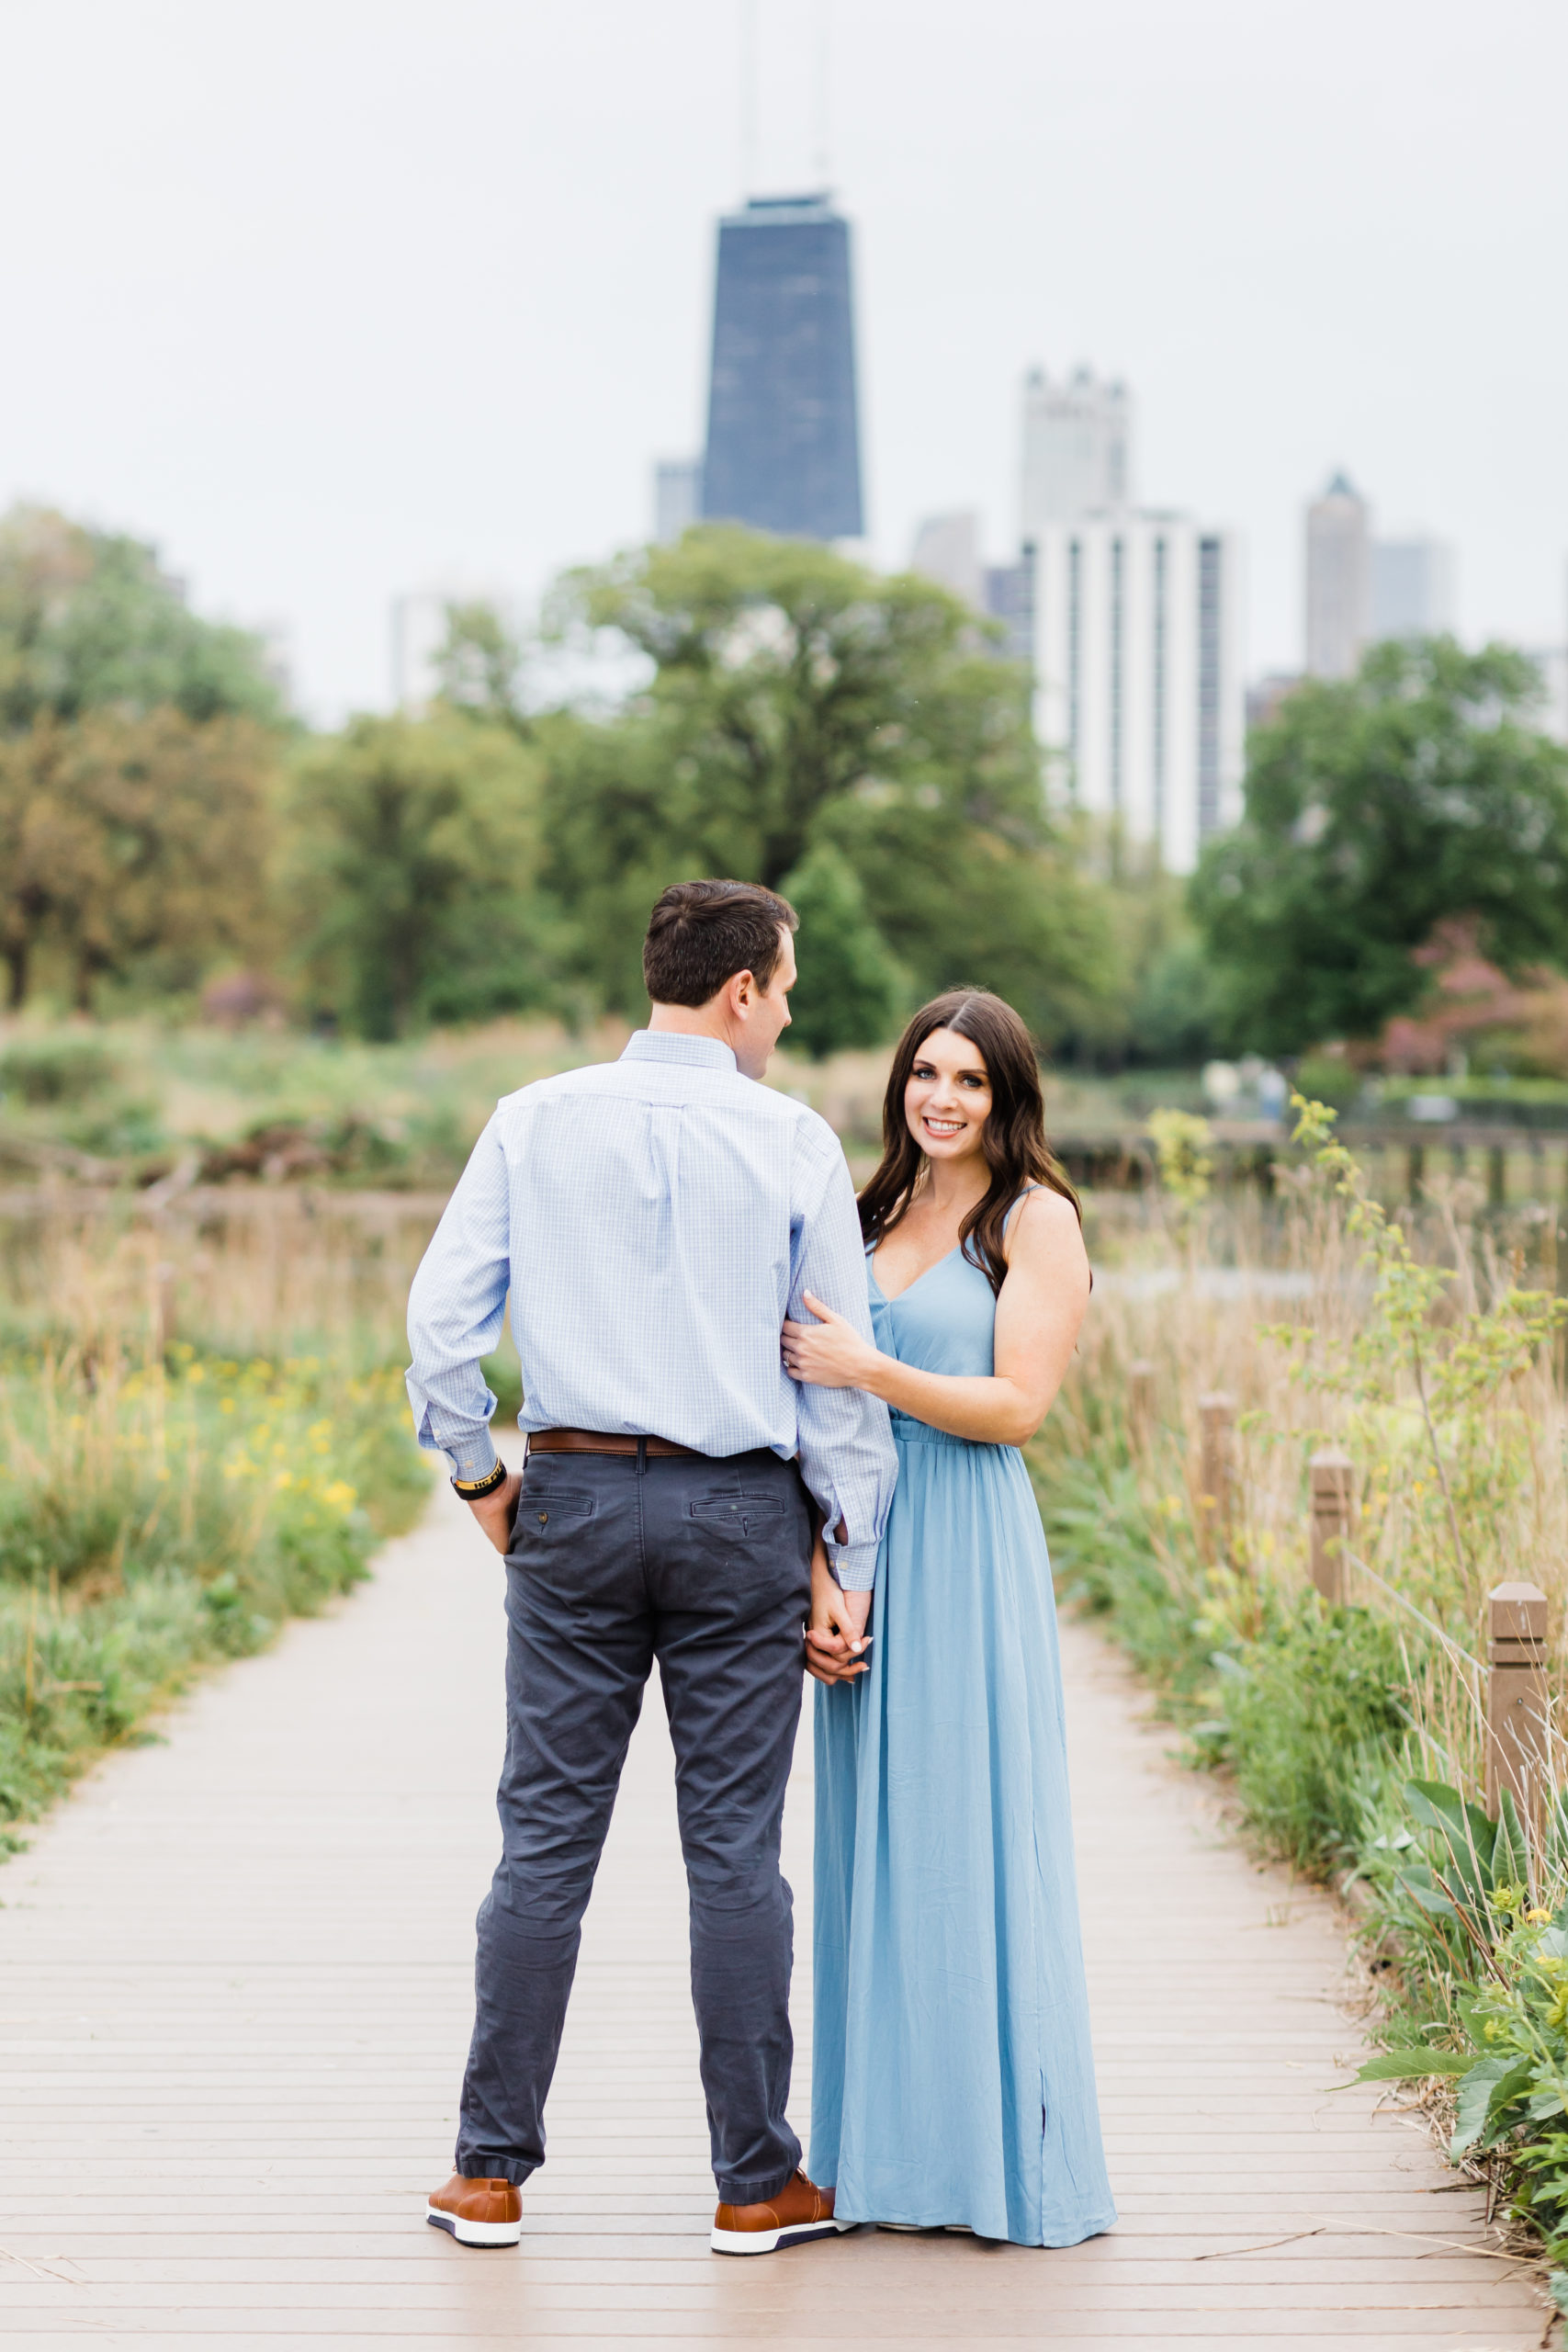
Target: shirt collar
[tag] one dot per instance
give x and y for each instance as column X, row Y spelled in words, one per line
column 670, row 1045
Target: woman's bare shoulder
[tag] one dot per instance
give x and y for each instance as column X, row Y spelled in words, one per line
column 1045, row 1230
column 1042, row 1211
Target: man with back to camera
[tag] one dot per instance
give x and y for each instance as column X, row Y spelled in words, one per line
column 654, row 1218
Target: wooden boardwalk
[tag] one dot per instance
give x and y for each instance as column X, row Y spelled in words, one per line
column 235, row 1999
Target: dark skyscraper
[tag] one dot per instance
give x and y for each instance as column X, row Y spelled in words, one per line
column 783, row 440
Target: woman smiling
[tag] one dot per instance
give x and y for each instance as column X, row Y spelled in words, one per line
column 953, row 2083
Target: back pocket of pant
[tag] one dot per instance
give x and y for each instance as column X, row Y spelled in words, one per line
column 547, row 1507
column 738, row 1519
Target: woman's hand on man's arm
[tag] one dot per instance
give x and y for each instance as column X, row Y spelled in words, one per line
column 829, row 1352
column 1038, row 1316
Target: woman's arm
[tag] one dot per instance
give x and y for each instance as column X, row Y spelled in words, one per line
column 1038, row 1315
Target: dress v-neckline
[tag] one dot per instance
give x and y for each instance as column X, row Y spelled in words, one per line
column 891, row 1298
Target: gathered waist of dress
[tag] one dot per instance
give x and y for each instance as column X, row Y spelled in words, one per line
column 907, row 1430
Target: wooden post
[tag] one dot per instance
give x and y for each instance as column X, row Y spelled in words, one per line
column 1496, row 1176
column 1140, row 1403
column 1518, row 1703
column 1333, row 1521
column 1216, row 1474
column 1414, row 1168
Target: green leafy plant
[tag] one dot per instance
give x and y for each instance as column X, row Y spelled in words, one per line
column 1496, row 1904
column 1353, row 1734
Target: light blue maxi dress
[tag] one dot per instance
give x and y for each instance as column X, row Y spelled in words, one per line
column 952, row 2079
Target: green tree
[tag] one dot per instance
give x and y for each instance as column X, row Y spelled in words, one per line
column 41, row 843
column 479, row 665
column 134, row 763
column 1377, row 810
column 795, row 699
column 89, row 620
column 131, row 842
column 1161, row 1009
column 849, row 990
column 1171, row 1018
column 412, row 852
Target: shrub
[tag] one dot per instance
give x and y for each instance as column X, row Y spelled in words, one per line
column 55, row 1070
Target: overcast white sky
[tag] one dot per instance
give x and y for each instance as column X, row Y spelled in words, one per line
column 334, row 298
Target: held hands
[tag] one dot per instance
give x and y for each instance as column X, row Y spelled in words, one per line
column 835, row 1633
column 828, row 1353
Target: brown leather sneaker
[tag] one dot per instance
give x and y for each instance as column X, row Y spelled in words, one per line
column 799, row 2212
column 478, row 2212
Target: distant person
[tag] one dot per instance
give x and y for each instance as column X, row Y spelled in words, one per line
column 655, row 1219
column 952, row 2082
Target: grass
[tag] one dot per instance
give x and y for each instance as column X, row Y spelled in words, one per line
column 135, row 1099
column 1429, row 1344
column 166, row 1504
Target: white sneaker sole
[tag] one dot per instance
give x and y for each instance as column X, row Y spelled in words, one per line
column 774, row 2241
column 474, row 2233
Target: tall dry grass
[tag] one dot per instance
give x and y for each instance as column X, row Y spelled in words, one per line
column 247, row 1270
column 1426, row 1340
column 203, row 1430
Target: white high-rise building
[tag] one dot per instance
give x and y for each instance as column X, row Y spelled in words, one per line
column 1412, row 588
column 1134, row 614
column 1360, row 590
column 677, row 497
column 947, row 549
column 1139, row 672
column 1338, row 580
column 1078, row 448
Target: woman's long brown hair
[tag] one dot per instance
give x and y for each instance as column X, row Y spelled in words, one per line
column 1013, row 1137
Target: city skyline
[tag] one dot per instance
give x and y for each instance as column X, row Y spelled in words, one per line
column 451, row 337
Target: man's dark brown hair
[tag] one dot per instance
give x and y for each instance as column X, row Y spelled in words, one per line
column 701, row 934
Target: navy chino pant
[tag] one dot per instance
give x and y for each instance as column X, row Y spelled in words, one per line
column 615, row 1561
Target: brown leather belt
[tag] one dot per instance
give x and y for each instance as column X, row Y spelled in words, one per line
column 604, row 1442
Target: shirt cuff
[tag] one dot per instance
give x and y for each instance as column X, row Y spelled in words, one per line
column 472, row 1457
column 854, row 1565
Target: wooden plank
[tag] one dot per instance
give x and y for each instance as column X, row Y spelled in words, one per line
column 234, row 1996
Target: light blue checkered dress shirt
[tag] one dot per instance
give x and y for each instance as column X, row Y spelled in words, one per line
column 655, row 1219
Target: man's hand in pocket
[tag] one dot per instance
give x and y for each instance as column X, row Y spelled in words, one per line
column 496, row 1512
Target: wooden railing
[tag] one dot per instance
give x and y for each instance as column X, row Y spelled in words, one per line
column 1515, row 1163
